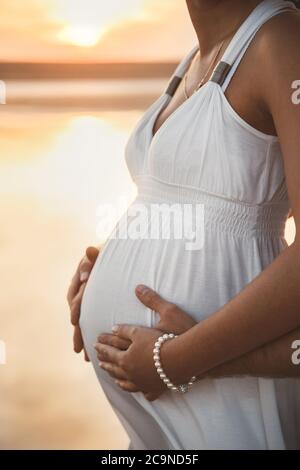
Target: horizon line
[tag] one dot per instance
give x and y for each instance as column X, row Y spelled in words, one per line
column 95, row 70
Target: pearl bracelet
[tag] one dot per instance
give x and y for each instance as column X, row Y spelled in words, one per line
column 156, row 356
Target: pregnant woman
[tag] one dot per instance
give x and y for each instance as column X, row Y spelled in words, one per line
column 224, row 136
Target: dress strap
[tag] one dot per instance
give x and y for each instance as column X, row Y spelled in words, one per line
column 179, row 72
column 240, row 42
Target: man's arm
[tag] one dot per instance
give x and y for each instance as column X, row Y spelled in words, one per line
column 278, row 359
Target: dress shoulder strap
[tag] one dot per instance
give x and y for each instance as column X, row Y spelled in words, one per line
column 240, row 42
column 179, row 72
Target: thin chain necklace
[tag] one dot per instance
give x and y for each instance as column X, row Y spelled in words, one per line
column 203, row 78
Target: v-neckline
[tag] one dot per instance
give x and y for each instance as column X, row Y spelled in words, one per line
column 167, row 98
column 172, row 115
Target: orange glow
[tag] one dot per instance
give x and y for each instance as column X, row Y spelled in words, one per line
column 80, row 36
column 86, row 21
column 94, row 30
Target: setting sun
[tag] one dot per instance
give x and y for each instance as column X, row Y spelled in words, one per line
column 81, row 36
column 94, row 30
column 86, row 24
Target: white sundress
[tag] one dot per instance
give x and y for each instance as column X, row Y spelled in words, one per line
column 204, row 153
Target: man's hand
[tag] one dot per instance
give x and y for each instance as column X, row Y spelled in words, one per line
column 75, row 293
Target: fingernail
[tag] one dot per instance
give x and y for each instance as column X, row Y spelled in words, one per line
column 101, row 364
column 141, row 289
column 84, row 276
column 115, row 328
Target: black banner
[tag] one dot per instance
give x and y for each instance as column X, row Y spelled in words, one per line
column 136, row 459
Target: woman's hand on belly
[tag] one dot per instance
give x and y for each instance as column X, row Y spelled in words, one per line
column 75, row 293
column 127, row 354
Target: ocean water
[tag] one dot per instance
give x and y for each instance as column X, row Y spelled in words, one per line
column 61, row 157
column 88, row 94
column 58, row 164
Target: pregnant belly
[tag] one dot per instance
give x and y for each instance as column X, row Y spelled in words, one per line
column 109, row 297
column 199, row 281
column 163, row 265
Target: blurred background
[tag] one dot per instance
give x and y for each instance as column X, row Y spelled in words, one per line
column 77, row 75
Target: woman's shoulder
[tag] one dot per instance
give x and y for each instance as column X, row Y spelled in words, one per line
column 277, row 53
column 280, row 34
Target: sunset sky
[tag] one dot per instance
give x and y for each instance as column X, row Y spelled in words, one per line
column 94, row 30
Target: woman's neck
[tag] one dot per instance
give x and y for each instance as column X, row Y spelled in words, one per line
column 217, row 20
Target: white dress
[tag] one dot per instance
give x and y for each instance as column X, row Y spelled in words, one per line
column 204, row 153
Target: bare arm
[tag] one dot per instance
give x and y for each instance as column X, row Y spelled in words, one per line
column 278, row 359
column 268, row 307
column 253, row 333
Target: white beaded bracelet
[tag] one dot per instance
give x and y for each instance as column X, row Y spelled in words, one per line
column 157, row 362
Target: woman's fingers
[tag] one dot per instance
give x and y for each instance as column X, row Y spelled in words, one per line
column 78, row 343
column 75, row 293
column 108, row 353
column 127, row 386
column 77, row 340
column 92, row 253
column 120, row 376
column 151, row 299
column 126, row 331
column 82, row 273
column 74, row 287
column 172, row 318
column 86, row 357
column 175, row 321
column 76, row 304
column 113, row 370
column 151, row 396
column 85, row 268
column 115, row 341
